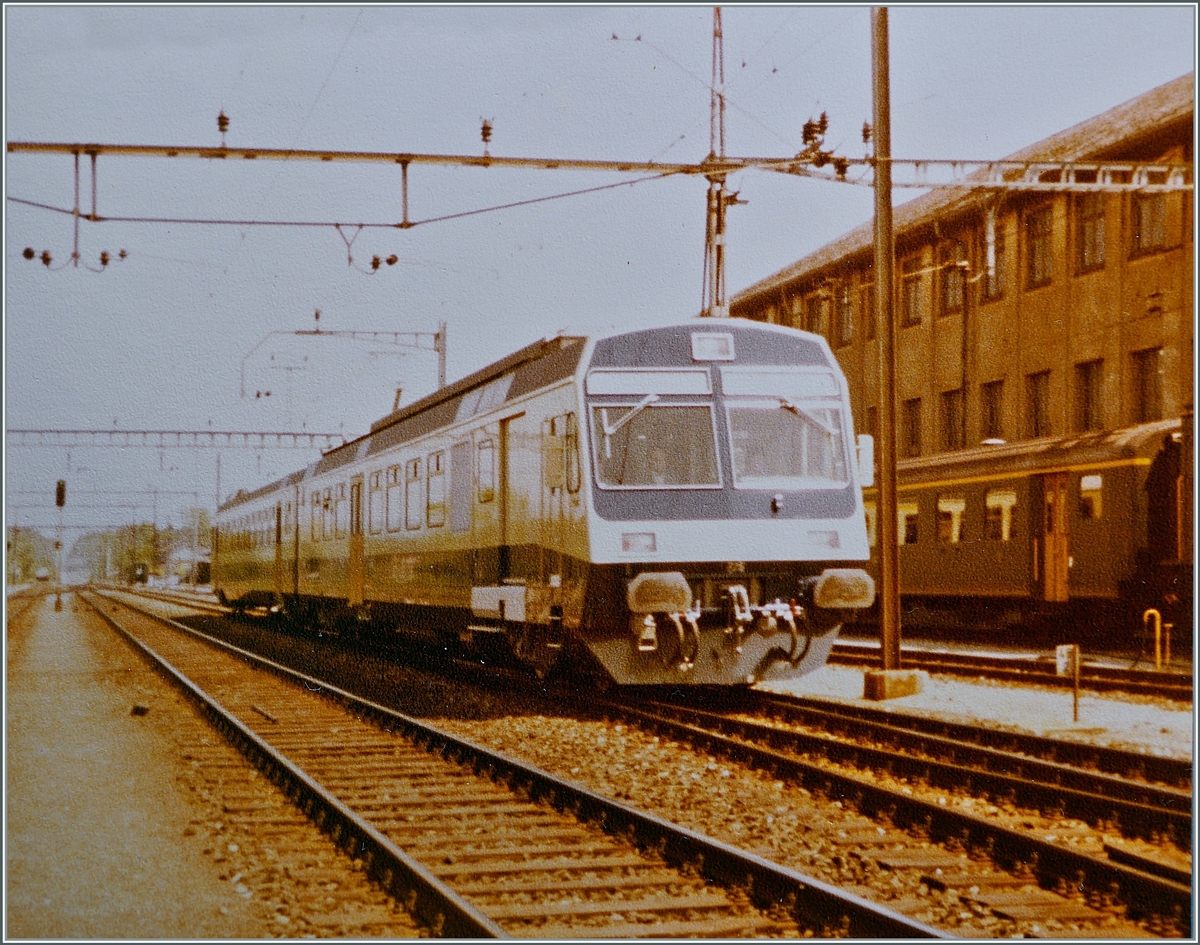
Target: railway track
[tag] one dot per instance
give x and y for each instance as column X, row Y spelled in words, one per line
column 1027, row 670
column 478, row 844
column 896, row 780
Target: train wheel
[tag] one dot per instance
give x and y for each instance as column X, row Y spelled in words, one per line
column 531, row 646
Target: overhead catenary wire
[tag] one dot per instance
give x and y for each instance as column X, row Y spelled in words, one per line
column 339, row 223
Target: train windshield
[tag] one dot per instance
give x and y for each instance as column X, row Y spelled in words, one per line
column 785, row 430
column 651, row 445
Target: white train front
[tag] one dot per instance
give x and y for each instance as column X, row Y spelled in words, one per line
column 677, row 505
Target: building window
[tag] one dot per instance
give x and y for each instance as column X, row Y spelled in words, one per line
column 994, row 267
column 1089, row 236
column 1038, row 249
column 1037, row 404
column 949, row 518
column 872, row 518
column 866, row 306
column 814, row 318
column 952, row 420
column 339, row 511
column 910, row 292
column 1149, row 223
column 844, row 315
column 991, row 406
column 910, row 434
column 997, row 522
column 1087, row 396
column 1148, row 385
column 1090, row 487
column 906, row 514
column 795, row 308
column 873, row 422
column 952, row 278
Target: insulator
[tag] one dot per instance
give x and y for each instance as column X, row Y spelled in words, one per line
column 122, row 254
column 374, row 263
column 840, row 166
column 866, row 132
column 486, row 131
column 809, row 132
column 822, row 124
column 104, row 257
column 46, row 260
column 29, row 253
column 393, row 259
column 222, row 122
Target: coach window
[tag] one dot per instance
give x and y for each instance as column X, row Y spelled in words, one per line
column 1039, row 258
column 327, row 514
column 395, row 500
column 485, row 468
column 412, row 494
column 574, row 468
column 906, row 513
column 375, row 504
column 339, row 510
column 949, row 518
column 435, row 489
column 1090, row 506
column 872, row 518
column 999, row 505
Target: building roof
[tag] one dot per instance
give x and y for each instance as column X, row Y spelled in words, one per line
column 1097, row 138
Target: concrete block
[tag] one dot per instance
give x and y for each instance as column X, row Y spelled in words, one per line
column 881, row 684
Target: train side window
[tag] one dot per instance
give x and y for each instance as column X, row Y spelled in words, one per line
column 339, row 511
column 1090, row 506
column 327, row 514
column 997, row 523
column 435, row 489
column 395, row 500
column 907, row 515
column 485, row 469
column 949, row 518
column 412, row 494
column 872, row 519
column 376, row 510
column 574, row 470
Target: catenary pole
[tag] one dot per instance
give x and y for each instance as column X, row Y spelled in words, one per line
column 886, row 528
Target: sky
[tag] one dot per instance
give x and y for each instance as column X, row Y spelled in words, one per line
column 166, row 337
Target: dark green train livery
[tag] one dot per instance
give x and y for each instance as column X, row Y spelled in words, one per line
column 677, row 505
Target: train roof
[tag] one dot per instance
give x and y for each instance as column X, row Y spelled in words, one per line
column 531, row 368
column 1040, row 455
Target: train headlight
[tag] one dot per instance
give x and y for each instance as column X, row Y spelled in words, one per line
column 639, row 542
column 843, row 589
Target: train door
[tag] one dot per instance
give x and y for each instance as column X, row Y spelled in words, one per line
column 511, row 475
column 354, row 572
column 278, row 570
column 1054, row 540
column 553, row 525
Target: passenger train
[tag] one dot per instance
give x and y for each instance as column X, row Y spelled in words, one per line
column 677, row 505
column 1059, row 539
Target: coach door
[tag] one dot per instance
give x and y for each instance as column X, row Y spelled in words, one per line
column 278, row 551
column 1055, row 545
column 354, row 571
column 554, row 468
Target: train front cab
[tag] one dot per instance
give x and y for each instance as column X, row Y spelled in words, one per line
column 725, row 521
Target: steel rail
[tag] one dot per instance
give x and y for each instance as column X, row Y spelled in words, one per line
column 1142, row 892
column 435, row 903
column 1031, row 782
column 1172, row 772
column 824, row 905
column 1100, row 679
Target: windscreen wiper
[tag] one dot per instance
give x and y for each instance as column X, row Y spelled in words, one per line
column 610, row 430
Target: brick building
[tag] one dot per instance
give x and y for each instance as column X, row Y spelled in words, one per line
column 1083, row 321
